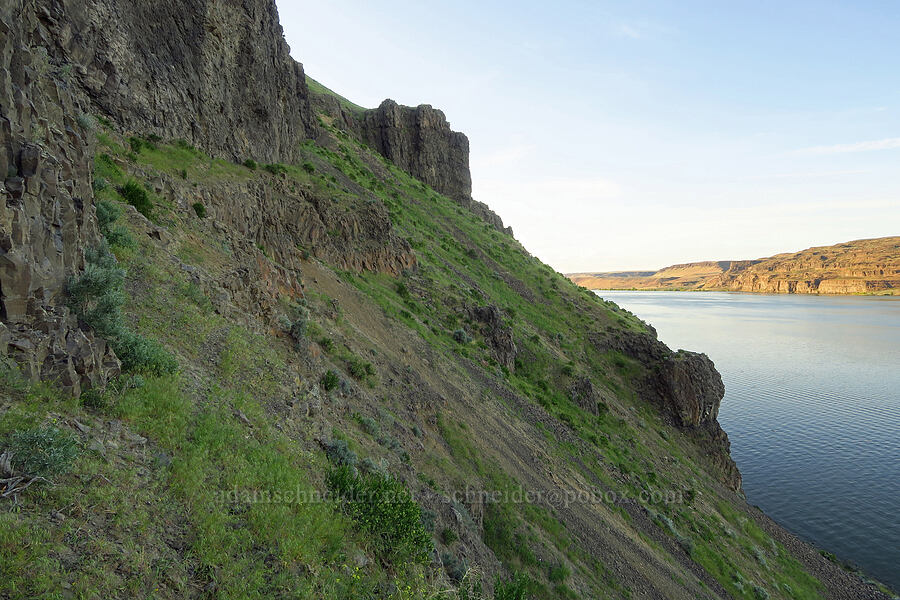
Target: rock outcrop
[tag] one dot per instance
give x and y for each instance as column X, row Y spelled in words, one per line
column 46, row 211
column 217, row 74
column 497, row 334
column 419, row 141
column 693, row 388
column 583, row 393
column 286, row 221
column 686, row 387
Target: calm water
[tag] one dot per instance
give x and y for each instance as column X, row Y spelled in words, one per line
column 812, row 407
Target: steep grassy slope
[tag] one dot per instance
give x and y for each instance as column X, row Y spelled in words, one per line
column 856, row 267
column 435, row 350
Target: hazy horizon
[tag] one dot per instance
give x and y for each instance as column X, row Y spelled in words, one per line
column 634, row 137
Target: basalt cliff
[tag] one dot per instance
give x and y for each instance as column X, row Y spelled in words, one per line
column 258, row 341
column 859, row 267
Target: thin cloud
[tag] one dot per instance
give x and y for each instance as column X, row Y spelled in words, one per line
column 870, row 146
column 629, row 31
column 640, row 30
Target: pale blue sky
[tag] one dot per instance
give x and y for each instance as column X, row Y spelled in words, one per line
column 624, row 135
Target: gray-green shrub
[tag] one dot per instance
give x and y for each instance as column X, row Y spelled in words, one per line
column 42, row 452
column 96, row 297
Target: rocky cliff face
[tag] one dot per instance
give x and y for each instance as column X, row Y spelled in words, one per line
column 46, row 211
column 419, row 141
column 217, row 74
column 686, row 387
column 857, row 267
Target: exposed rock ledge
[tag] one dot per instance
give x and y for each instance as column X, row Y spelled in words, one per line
column 687, row 387
column 419, row 141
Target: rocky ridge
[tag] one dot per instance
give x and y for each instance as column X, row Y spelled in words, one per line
column 419, row 140
column 858, row 267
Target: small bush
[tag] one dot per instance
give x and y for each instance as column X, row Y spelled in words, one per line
column 514, row 589
column 96, row 297
column 760, row 593
column 359, row 369
column 136, row 144
column 116, row 235
column 183, row 173
column 93, row 398
column 275, row 168
column 368, row 424
column 96, row 294
column 42, row 452
column 384, row 508
column 300, row 326
column 330, row 380
column 456, row 568
column 86, row 122
column 139, row 354
column 327, row 344
column 119, row 236
column 402, row 290
column 448, row 536
column 367, row 465
column 558, row 573
column 428, row 518
column 462, row 336
column 250, row 164
column 340, row 454
column 107, row 213
column 309, row 167
column 199, row 209
column 134, row 194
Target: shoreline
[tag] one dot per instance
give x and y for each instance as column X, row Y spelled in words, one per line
column 707, row 290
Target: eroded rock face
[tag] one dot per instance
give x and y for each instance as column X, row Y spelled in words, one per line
column 46, row 213
column 419, row 141
column 687, row 387
column 693, row 388
column 497, row 334
column 583, row 393
column 217, row 74
column 285, row 220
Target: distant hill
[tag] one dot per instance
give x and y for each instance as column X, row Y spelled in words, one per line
column 859, row 267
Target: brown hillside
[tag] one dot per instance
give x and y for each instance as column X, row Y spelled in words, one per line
column 859, row 267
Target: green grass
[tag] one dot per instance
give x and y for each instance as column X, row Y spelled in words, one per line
column 211, row 427
column 317, row 88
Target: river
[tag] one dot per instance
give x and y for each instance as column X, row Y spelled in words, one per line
column 812, row 407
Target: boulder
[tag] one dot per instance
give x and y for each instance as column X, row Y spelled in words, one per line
column 497, row 334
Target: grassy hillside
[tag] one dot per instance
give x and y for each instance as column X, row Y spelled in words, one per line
column 358, row 437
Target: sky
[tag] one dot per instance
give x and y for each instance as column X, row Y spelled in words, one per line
column 633, row 135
